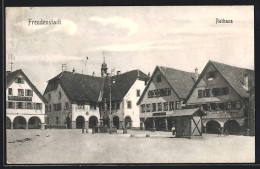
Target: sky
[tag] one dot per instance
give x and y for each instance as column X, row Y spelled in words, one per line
column 134, row 37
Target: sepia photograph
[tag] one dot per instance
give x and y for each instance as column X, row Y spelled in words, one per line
column 129, row 85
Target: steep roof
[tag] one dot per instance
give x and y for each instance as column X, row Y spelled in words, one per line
column 85, row 88
column 189, row 112
column 233, row 75
column 180, row 81
column 10, row 78
column 123, row 83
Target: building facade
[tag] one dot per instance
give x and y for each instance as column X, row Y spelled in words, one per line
column 163, row 95
column 221, row 91
column 83, row 101
column 25, row 106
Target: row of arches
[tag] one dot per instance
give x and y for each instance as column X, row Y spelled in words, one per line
column 93, row 122
column 20, row 123
column 231, row 126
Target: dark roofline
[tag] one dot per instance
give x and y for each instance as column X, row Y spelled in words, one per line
column 30, row 84
column 202, row 74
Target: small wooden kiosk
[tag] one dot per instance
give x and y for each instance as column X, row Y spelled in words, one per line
column 188, row 122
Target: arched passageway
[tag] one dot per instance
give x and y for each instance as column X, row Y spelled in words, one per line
column 128, row 122
column 34, row 123
column 19, row 122
column 148, row 124
column 212, row 127
column 93, row 121
column 8, row 123
column 232, row 127
column 116, row 122
column 80, row 122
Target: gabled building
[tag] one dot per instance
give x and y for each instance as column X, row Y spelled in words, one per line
column 25, row 106
column 222, row 92
column 164, row 94
column 82, row 101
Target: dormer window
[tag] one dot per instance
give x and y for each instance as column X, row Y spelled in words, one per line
column 159, row 78
column 211, row 75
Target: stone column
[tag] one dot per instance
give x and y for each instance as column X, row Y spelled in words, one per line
column 73, row 124
column 120, row 124
column 12, row 125
column 26, row 124
column 141, row 124
column 123, row 124
column 166, row 124
column 42, row 125
column 86, row 126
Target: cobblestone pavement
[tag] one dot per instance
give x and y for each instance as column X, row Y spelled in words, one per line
column 74, row 147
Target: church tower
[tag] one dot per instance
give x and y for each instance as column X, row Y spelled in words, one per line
column 103, row 69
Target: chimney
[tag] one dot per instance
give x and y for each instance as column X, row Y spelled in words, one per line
column 246, row 81
column 93, row 74
column 196, row 74
column 73, row 70
column 118, row 72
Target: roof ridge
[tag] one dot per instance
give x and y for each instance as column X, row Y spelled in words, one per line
column 175, row 69
column 230, row 65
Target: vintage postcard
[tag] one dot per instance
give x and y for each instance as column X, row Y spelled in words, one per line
column 130, row 85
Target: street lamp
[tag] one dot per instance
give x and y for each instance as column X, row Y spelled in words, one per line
column 110, row 95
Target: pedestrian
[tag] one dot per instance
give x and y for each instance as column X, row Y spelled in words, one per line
column 219, row 132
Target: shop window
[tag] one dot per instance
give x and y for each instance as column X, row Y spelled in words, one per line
column 159, row 105
column 10, row 91
column 148, row 108
column 20, row 92
column 129, row 105
column 165, row 106
column 171, row 105
column 154, row 107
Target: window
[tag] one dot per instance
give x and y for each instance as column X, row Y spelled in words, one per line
column 199, row 93
column 211, row 75
column 154, row 107
column 214, row 106
column 49, row 108
column 148, row 107
column 28, row 92
column 229, row 106
column 129, row 104
column 66, row 106
column 143, row 108
column 49, row 96
column 221, row 106
column 220, row 91
column 238, row 105
column 159, row 78
column 178, row 105
column 206, row 93
column 80, row 106
column 29, row 105
column 10, row 91
column 57, row 120
column 19, row 80
column 10, row 105
column 20, row 92
column 159, row 92
column 165, row 106
column 205, row 107
column 46, row 108
column 38, row 106
column 113, row 105
column 159, row 105
column 138, row 93
column 19, row 105
column 171, row 105
column 59, row 95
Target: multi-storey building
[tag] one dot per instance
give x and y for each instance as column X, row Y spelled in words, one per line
column 78, row 100
column 222, row 92
column 25, row 106
column 163, row 95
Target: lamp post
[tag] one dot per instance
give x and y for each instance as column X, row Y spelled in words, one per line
column 110, row 110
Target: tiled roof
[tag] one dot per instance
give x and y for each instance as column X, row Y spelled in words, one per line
column 85, row 88
column 235, row 76
column 10, row 78
column 180, row 81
